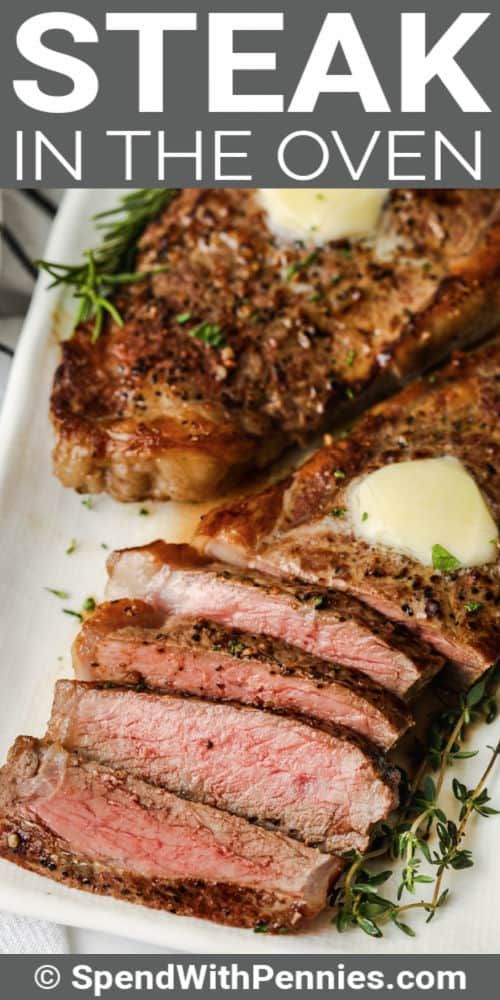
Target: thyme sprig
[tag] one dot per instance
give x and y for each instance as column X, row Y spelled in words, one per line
column 111, row 264
column 358, row 901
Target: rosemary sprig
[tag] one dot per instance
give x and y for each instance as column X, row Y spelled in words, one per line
column 358, row 901
column 111, row 264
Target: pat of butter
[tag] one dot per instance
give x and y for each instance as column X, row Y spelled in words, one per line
column 317, row 215
column 411, row 506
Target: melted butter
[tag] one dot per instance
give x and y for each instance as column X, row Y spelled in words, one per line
column 411, row 506
column 317, row 215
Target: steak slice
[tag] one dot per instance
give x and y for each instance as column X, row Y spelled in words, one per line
column 128, row 642
column 102, row 831
column 246, row 343
column 175, row 578
column 305, row 782
column 288, row 530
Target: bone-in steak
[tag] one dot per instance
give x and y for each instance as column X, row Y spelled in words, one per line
column 288, row 530
column 307, row 783
column 245, row 344
column 128, row 642
column 107, row 832
column 175, row 578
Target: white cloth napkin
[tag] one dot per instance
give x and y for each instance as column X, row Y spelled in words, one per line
column 29, row 223
column 21, row 936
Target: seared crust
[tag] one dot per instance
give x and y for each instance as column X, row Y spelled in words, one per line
column 287, row 530
column 39, row 851
column 152, row 411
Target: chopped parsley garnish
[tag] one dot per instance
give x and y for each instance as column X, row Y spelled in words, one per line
column 209, row 333
column 338, row 512
column 349, row 393
column 299, row 265
column 473, row 606
column 350, row 358
column 315, row 297
column 144, row 512
column 443, row 560
column 235, row 648
column 426, row 267
column 72, row 547
column 104, row 546
column 61, row 594
column 364, row 516
column 345, row 251
column 88, row 503
column 318, row 601
column 183, row 317
column 88, row 604
column 337, row 278
column 74, row 614
column 339, row 474
column 261, row 928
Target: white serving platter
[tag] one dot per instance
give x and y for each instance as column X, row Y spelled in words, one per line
column 38, row 520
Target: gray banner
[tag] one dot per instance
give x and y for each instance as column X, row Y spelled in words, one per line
column 269, row 978
column 443, row 146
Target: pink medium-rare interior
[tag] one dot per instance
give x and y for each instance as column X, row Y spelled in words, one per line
column 228, row 602
column 125, row 657
column 102, row 820
column 250, row 762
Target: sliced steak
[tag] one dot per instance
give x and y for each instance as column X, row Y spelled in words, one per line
column 175, row 578
column 246, row 343
column 288, row 530
column 106, row 832
column 305, row 782
column 128, row 642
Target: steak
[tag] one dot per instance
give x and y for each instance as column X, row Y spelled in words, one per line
column 95, row 829
column 128, row 642
column 245, row 343
column 175, row 578
column 288, row 530
column 307, row 783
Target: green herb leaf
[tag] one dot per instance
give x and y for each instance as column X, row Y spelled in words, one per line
column 88, row 604
column 72, row 547
column 339, row 474
column 350, row 358
column 472, row 607
column 299, row 265
column 112, row 262
column 144, row 512
column 338, row 512
column 209, row 333
column 364, row 516
column 61, row 594
column 88, row 503
column 443, row 560
column 74, row 614
column 369, row 927
column 183, row 317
